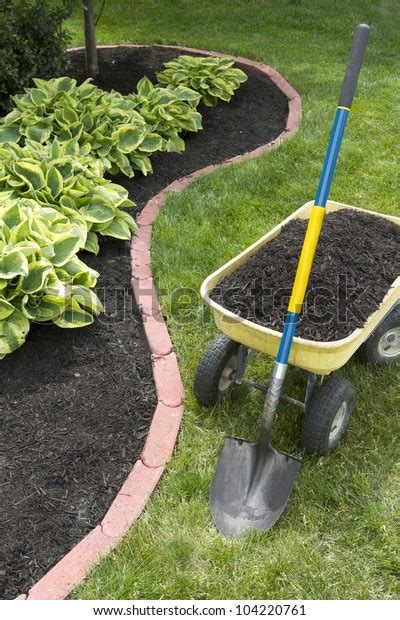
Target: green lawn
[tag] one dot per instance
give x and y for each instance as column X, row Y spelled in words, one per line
column 337, row 538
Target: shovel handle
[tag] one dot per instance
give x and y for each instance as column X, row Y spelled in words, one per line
column 358, row 48
column 314, row 227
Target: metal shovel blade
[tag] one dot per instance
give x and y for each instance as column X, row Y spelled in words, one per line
column 251, row 486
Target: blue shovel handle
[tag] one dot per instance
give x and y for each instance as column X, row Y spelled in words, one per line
column 315, row 224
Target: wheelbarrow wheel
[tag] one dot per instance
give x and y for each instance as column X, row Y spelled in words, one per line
column 383, row 346
column 215, row 375
column 328, row 414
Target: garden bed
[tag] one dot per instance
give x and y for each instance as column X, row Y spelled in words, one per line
column 76, row 404
column 356, row 262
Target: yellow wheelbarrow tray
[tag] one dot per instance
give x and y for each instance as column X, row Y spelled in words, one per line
column 316, row 357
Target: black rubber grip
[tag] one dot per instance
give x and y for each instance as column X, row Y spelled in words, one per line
column 354, row 65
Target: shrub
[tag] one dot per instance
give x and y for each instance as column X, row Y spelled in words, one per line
column 41, row 278
column 107, row 122
column 213, row 78
column 65, row 177
column 33, row 41
column 169, row 111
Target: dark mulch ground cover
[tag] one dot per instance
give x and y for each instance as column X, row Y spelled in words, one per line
column 357, row 260
column 255, row 115
column 75, row 405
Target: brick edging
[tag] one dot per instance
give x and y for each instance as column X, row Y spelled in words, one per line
column 130, row 501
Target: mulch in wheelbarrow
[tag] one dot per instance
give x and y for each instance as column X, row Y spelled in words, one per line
column 356, row 262
column 75, row 405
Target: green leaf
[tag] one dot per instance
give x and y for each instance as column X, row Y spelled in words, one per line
column 144, row 87
column 75, row 267
column 175, row 144
column 36, row 278
column 13, row 264
column 105, row 147
column 128, row 139
column 55, row 149
column 72, row 147
column 9, row 134
column 37, row 96
column 98, row 210
column 187, row 94
column 151, row 143
column 12, row 216
column 49, row 308
column 122, row 162
column 70, row 115
column 92, row 243
column 30, row 173
column 86, row 298
column 74, row 316
column 141, row 162
column 64, row 250
column 12, row 116
column 40, row 132
column 118, row 228
column 13, row 332
column 87, row 121
column 64, row 84
column 54, row 181
column 6, row 308
column 28, row 248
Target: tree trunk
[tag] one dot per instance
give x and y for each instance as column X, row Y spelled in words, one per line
column 92, row 65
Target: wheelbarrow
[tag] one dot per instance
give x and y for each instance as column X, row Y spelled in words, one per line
column 253, row 481
column 329, row 396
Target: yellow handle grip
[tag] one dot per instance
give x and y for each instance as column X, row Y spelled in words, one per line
column 306, row 258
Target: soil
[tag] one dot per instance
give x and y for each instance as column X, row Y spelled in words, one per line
column 356, row 262
column 75, row 405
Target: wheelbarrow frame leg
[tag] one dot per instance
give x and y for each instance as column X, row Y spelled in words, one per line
column 243, row 358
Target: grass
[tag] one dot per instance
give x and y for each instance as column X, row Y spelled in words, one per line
column 338, row 537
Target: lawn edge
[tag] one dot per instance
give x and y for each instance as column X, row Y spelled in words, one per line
column 132, row 498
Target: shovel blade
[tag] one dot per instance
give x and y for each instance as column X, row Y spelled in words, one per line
column 251, row 486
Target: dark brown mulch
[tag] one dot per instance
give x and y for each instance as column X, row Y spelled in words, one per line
column 226, row 132
column 75, row 406
column 357, row 260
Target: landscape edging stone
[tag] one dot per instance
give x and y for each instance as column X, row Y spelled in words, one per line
column 130, row 501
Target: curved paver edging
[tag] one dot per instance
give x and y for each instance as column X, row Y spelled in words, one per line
column 60, row 580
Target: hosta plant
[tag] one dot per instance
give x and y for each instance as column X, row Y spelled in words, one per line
column 41, row 278
column 213, row 78
column 106, row 123
column 168, row 111
column 64, row 177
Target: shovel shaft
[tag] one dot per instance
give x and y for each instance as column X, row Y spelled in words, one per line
column 314, row 226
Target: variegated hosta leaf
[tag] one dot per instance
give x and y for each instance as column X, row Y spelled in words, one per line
column 41, row 278
column 55, row 147
column 168, row 111
column 13, row 331
column 12, row 264
column 74, row 315
column 213, row 78
column 68, row 183
column 83, row 117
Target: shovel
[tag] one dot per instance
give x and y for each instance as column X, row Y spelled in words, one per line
column 253, row 481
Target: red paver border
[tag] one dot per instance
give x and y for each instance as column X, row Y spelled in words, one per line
column 129, row 503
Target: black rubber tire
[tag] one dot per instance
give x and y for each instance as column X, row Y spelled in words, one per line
column 210, row 369
column 370, row 352
column 321, row 412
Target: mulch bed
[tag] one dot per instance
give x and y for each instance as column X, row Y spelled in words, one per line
column 357, row 260
column 76, row 404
